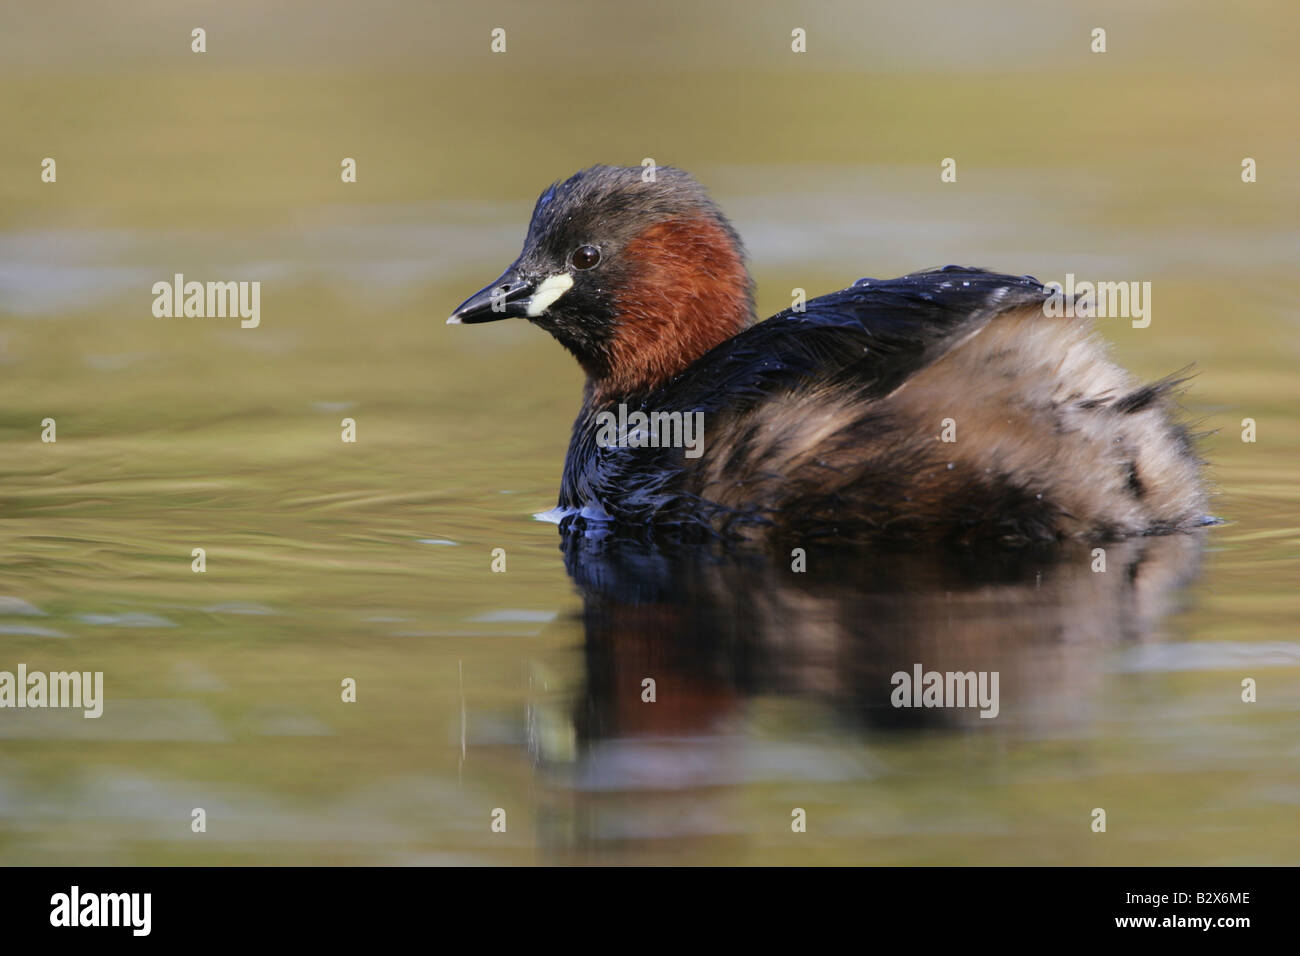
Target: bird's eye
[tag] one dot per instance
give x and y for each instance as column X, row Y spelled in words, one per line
column 584, row 257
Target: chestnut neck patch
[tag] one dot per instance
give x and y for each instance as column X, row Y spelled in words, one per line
column 688, row 291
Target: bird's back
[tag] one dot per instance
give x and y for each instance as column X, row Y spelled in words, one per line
column 944, row 405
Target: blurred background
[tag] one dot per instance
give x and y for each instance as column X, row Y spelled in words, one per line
column 521, row 690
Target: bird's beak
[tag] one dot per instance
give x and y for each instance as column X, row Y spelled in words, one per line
column 506, row 297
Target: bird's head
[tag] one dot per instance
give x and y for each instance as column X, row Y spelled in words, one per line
column 634, row 270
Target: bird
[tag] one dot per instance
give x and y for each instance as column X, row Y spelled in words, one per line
column 949, row 406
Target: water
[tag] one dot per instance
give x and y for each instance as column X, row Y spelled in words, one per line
column 523, row 690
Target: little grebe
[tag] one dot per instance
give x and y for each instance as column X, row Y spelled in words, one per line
column 946, row 405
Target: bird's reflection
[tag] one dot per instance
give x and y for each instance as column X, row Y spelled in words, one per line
column 823, row 631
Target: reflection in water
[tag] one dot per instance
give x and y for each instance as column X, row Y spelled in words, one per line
column 718, row 633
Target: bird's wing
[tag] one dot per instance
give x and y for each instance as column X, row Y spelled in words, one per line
column 873, row 335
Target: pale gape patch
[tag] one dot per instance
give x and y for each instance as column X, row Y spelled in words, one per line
column 551, row 289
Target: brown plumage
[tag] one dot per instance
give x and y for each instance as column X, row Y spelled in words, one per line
column 687, row 292
column 1051, row 440
column 941, row 406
